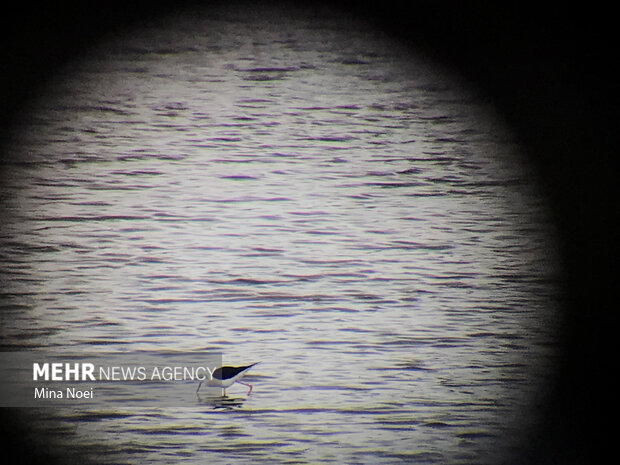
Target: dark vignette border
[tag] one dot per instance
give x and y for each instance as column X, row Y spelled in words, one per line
column 546, row 69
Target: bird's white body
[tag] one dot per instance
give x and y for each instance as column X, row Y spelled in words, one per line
column 224, row 383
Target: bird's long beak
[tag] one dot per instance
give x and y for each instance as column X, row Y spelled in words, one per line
column 199, row 384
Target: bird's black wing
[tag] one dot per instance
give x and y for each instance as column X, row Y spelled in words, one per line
column 230, row 372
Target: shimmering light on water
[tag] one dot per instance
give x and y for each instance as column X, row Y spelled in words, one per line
column 304, row 193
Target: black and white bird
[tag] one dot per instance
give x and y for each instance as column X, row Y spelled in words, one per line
column 227, row 376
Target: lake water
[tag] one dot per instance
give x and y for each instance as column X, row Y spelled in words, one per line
column 303, row 192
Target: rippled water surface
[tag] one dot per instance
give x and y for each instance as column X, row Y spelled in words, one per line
column 301, row 192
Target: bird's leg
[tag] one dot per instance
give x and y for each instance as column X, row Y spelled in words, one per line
column 223, row 392
column 246, row 384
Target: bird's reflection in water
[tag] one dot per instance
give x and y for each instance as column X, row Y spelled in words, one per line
column 221, row 402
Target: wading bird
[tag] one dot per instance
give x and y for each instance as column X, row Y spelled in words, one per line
column 227, row 376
